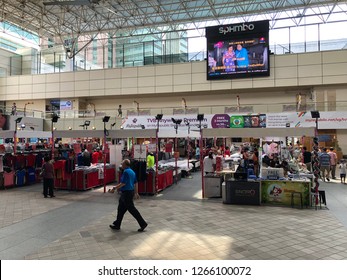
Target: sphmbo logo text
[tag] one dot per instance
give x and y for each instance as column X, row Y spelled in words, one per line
column 236, row 28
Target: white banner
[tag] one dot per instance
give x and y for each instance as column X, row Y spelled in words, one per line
column 65, row 105
column 29, row 123
column 327, row 120
column 149, row 122
column 140, row 151
column 152, row 148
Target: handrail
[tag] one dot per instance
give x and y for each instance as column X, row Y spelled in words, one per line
column 206, row 109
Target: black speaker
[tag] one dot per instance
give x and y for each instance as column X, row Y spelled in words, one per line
column 105, row 118
column 200, row 117
column 315, row 114
column 159, row 117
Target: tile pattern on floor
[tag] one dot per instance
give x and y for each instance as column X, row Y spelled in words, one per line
column 206, row 230
column 75, row 225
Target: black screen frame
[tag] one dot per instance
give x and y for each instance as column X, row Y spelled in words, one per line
column 241, row 32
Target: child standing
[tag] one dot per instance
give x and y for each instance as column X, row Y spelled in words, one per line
column 343, row 167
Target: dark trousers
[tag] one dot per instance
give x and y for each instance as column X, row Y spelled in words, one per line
column 48, row 185
column 126, row 203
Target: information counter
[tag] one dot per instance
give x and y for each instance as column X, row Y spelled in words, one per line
column 241, row 192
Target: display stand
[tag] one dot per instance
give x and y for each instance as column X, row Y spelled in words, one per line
column 265, row 192
column 139, row 152
column 87, row 179
column 22, row 169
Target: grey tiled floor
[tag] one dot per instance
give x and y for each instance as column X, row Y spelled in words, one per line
column 74, row 225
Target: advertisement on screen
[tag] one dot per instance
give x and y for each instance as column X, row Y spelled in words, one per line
column 238, row 50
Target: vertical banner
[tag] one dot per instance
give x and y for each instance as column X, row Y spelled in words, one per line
column 140, row 151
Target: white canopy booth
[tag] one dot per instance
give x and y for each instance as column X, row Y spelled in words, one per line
column 4, row 134
column 103, row 134
column 257, row 133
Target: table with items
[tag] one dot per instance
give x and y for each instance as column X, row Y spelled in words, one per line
column 87, row 177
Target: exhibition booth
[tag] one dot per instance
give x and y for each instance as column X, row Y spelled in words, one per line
column 21, row 162
column 271, row 187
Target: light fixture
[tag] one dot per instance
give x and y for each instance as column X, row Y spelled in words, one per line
column 105, row 119
column 200, row 117
column 158, row 117
column 187, row 123
column 70, row 128
column 55, row 118
column 85, row 125
column 315, row 114
column 22, row 126
column 54, row 128
column 177, row 123
column 93, row 128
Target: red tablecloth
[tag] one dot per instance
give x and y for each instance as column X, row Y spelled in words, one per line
column 165, row 179
column 110, row 175
column 92, row 180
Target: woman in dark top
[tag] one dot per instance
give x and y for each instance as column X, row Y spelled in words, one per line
column 48, row 178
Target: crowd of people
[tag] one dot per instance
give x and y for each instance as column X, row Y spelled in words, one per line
column 327, row 157
column 292, row 158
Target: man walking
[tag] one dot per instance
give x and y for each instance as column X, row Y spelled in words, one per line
column 333, row 162
column 324, row 160
column 129, row 189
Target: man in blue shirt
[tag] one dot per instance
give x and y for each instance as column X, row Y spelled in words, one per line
column 324, row 161
column 241, row 55
column 129, row 189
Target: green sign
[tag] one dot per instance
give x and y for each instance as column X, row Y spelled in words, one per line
column 280, row 192
column 237, row 122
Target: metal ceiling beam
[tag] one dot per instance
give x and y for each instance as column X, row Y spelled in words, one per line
column 109, row 16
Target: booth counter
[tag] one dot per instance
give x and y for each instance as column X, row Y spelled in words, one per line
column 285, row 193
column 165, row 179
column 268, row 192
column 241, row 192
column 87, row 178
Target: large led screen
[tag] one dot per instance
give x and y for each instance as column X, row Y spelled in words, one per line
column 238, row 50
